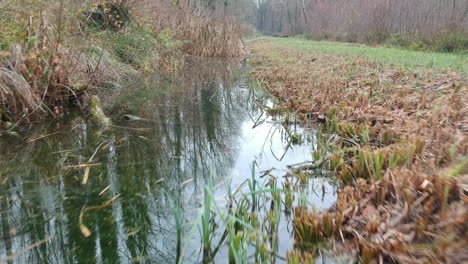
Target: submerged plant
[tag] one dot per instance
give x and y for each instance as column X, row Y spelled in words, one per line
column 237, row 252
column 208, row 226
column 288, row 195
column 179, row 228
column 300, row 257
column 253, row 187
column 296, row 139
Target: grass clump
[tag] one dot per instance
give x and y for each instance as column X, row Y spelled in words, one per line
column 311, row 228
column 137, row 47
column 108, row 15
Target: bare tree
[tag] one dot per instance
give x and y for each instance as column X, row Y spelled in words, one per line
column 364, row 20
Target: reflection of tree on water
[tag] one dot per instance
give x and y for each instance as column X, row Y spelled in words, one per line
column 210, row 114
column 194, row 138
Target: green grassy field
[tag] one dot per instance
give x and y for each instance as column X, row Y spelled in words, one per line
column 399, row 57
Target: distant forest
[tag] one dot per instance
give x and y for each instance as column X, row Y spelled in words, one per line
column 432, row 22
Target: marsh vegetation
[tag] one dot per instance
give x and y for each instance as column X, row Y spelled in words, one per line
column 397, row 145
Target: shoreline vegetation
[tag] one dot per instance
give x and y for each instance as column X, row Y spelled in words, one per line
column 55, row 55
column 399, row 150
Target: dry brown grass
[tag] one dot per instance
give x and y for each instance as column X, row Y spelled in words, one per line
column 32, row 79
column 15, row 92
column 403, row 140
column 215, row 36
column 38, row 63
column 203, row 32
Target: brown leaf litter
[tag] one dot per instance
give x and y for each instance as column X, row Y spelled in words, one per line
column 405, row 178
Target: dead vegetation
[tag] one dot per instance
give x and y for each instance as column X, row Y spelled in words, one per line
column 44, row 66
column 51, row 55
column 44, row 79
column 32, row 80
column 202, row 32
column 400, row 151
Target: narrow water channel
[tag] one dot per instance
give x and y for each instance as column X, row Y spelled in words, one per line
column 203, row 126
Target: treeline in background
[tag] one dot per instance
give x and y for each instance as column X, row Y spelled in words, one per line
column 440, row 25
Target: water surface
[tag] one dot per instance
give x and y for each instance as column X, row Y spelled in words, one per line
column 203, row 126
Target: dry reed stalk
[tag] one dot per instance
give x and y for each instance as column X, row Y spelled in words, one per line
column 16, row 93
column 204, row 32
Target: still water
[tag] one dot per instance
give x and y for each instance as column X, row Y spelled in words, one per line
column 141, row 176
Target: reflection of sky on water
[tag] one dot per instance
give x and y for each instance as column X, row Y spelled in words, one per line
column 193, row 132
column 265, row 141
